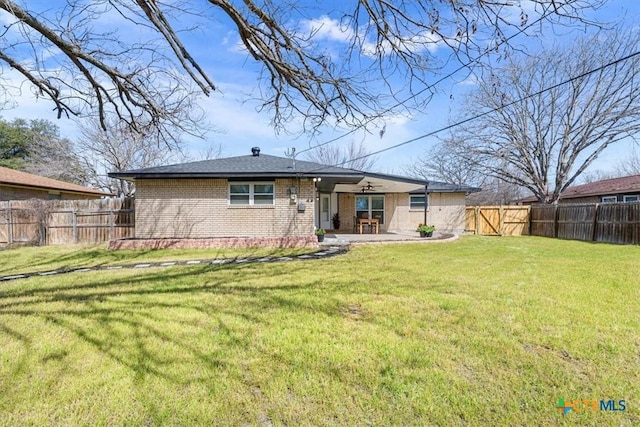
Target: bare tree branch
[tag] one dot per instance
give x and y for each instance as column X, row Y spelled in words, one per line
column 85, row 71
column 444, row 163
column 119, row 149
column 343, row 155
column 542, row 139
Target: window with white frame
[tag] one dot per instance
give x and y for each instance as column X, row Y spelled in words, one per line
column 416, row 202
column 609, row 199
column 251, row 193
column 370, row 207
column 629, row 199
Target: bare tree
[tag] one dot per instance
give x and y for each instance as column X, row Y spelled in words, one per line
column 79, row 55
column 352, row 155
column 540, row 134
column 630, row 164
column 443, row 163
column 119, row 149
column 597, row 175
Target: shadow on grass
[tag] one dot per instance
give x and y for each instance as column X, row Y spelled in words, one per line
column 100, row 257
column 145, row 322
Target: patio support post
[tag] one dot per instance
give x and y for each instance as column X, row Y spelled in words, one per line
column 426, row 197
column 316, row 201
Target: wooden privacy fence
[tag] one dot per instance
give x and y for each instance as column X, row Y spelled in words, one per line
column 51, row 222
column 497, row 220
column 598, row 222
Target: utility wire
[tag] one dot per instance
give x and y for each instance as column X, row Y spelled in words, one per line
column 493, row 110
column 425, row 89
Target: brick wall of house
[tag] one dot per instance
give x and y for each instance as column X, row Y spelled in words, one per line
column 22, row 193
column 446, row 212
column 199, row 208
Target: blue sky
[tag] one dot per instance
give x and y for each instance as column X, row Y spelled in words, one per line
column 240, row 126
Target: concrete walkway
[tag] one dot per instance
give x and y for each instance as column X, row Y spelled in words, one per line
column 326, row 251
column 342, row 239
column 334, row 244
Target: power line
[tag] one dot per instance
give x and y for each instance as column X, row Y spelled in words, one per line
column 493, row 110
column 425, row 89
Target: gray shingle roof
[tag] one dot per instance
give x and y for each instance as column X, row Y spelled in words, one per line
column 266, row 166
column 241, row 166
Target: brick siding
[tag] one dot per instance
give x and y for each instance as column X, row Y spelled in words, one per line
column 199, row 208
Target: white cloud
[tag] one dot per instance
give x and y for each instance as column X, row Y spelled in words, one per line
column 415, row 44
column 332, row 30
column 7, row 19
column 325, row 28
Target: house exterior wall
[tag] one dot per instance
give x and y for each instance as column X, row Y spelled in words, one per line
column 8, row 192
column 446, row 211
column 199, row 208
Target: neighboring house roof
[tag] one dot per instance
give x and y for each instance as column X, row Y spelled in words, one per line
column 17, row 178
column 622, row 185
column 266, row 166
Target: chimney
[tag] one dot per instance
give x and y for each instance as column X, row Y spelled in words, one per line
column 255, row 151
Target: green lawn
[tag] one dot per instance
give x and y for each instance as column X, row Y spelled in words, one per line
column 481, row 331
column 36, row 259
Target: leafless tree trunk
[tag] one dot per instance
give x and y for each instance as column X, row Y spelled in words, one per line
column 80, row 54
column 543, row 139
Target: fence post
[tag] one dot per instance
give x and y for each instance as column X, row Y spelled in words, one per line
column 10, row 223
column 112, row 220
column 477, row 220
column 75, row 225
column 555, row 220
column 595, row 222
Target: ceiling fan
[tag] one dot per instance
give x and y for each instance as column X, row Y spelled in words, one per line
column 368, row 187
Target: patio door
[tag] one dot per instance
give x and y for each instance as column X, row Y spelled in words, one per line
column 325, row 211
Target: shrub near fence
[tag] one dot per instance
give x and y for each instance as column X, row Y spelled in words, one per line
column 66, row 221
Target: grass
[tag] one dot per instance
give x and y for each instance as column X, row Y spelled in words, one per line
column 34, row 259
column 482, row 331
